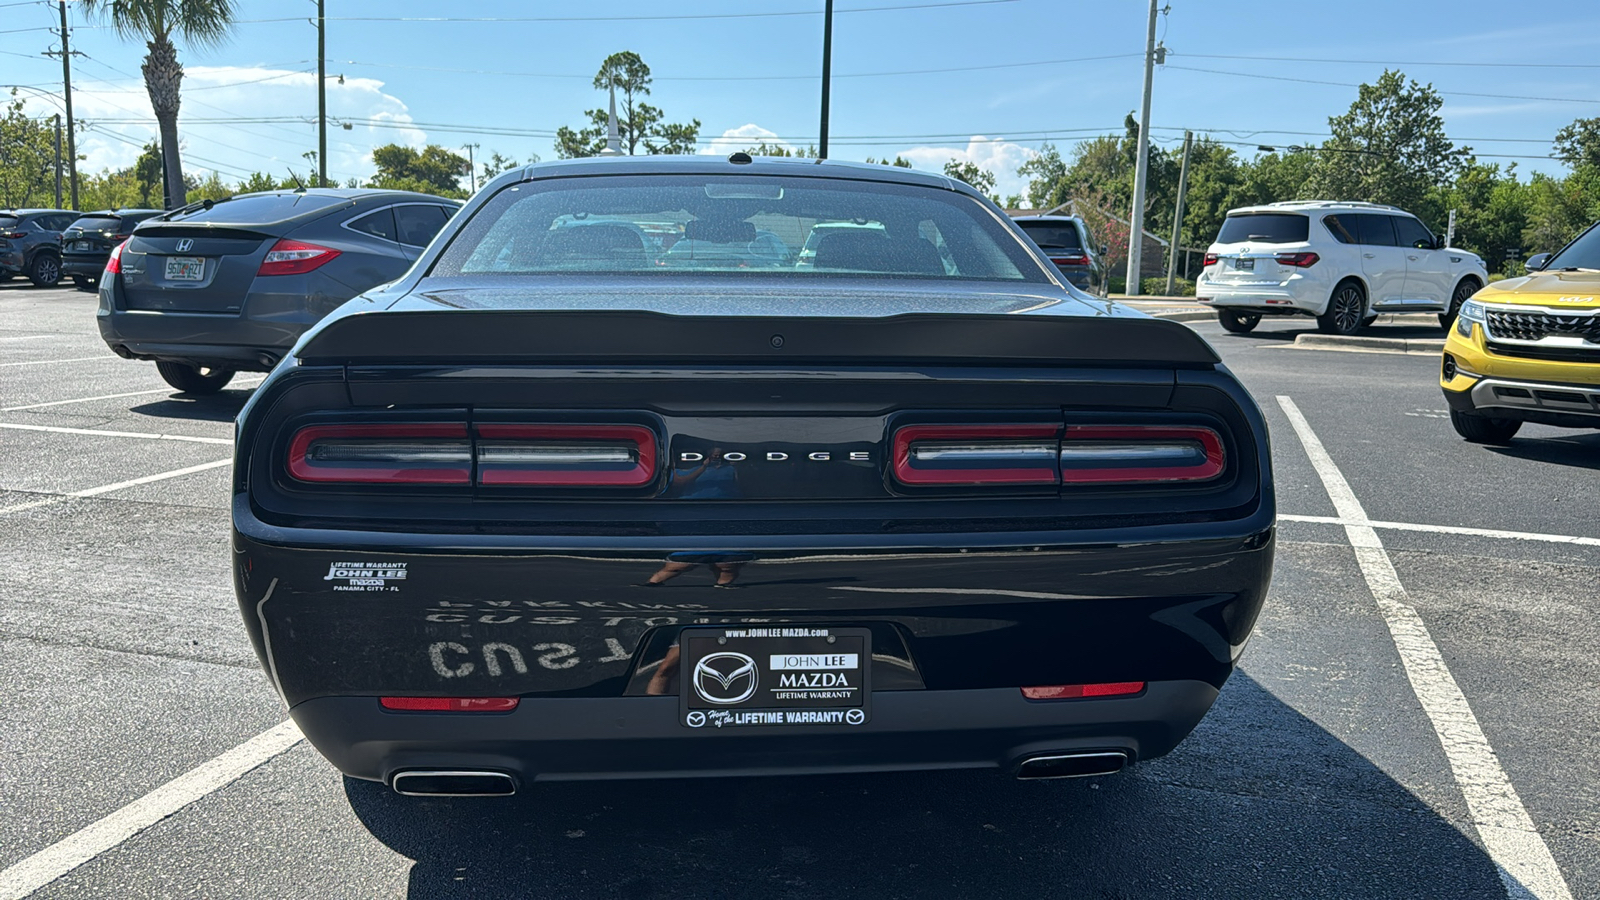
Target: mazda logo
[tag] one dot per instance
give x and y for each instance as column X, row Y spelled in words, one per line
column 185, row 244
column 725, row 677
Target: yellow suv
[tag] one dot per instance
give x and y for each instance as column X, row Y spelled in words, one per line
column 1528, row 349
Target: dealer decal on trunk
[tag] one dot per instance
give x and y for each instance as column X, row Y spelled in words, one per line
column 366, row 576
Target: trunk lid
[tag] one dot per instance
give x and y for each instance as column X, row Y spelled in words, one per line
column 178, row 268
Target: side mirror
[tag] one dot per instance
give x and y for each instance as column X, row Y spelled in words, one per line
column 1439, row 243
column 1537, row 262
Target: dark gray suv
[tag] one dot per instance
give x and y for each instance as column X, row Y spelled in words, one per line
column 1070, row 245
column 30, row 244
column 224, row 286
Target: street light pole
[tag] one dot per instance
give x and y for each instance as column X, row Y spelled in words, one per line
column 472, row 165
column 1177, row 215
column 322, row 97
column 827, row 75
column 1141, row 174
column 58, row 171
column 66, row 89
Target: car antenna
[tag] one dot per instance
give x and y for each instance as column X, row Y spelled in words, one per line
column 299, row 187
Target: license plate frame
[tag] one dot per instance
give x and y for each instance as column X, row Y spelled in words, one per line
column 81, row 246
column 1245, row 264
column 186, row 268
column 774, row 676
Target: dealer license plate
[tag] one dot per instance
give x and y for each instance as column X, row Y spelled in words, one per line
column 1245, row 264
column 186, row 268
column 751, row 676
column 81, row 246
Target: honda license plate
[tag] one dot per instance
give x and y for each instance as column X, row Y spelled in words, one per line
column 186, row 268
column 774, row 675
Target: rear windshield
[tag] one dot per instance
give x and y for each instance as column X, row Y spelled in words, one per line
column 1053, row 235
column 8, row 221
column 1582, row 253
column 737, row 225
column 98, row 223
column 259, row 208
column 1266, row 228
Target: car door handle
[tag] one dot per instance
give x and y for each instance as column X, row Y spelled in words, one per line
column 1370, row 255
column 1413, row 258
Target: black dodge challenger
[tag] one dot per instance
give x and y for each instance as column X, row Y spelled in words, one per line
column 617, row 482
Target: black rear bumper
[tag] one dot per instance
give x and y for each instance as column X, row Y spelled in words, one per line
column 641, row 737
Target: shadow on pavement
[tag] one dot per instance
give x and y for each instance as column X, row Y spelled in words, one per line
column 1260, row 802
column 1287, row 329
column 219, row 407
column 1580, row 450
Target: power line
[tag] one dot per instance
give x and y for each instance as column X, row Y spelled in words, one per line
column 1379, row 62
column 632, row 18
column 1349, row 85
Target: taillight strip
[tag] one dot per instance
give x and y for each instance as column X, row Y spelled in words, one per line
column 424, row 453
column 566, row 455
column 1098, row 454
column 955, row 455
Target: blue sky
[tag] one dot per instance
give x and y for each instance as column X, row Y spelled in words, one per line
column 1030, row 71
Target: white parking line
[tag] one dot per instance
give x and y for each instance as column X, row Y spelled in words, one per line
column 46, row 362
column 32, row 337
column 1519, row 852
column 63, row 856
column 107, row 488
column 57, row 429
column 1448, row 529
column 87, row 399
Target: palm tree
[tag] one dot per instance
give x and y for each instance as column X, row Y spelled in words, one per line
column 201, row 23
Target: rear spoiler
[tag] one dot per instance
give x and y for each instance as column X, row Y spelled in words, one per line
column 457, row 336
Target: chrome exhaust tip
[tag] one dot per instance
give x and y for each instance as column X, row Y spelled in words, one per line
column 1073, row 765
column 452, row 783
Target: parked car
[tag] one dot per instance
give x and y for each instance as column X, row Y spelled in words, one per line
column 1067, row 242
column 1345, row 263
column 1528, row 349
column 30, row 244
column 962, row 518
column 88, row 241
column 223, row 286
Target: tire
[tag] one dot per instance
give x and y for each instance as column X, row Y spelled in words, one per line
column 88, row 285
column 1347, row 310
column 1465, row 289
column 194, row 379
column 1483, row 429
column 1237, row 322
column 45, row 270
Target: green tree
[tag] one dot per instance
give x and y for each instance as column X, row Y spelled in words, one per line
column 898, row 161
column 1390, row 147
column 1045, row 172
column 434, row 170
column 765, row 149
column 972, row 174
column 201, row 23
column 1578, row 144
column 27, row 158
column 638, row 123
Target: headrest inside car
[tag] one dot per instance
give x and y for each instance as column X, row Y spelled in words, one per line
column 720, row 231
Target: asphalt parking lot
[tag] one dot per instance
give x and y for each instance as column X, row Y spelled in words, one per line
column 1415, row 716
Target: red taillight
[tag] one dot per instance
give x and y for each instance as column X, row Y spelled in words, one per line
column 295, row 258
column 432, row 453
column 1080, row 691
column 13, row 235
column 1039, row 454
column 955, row 455
column 114, row 262
column 1297, row 260
column 566, row 455
column 1071, row 259
column 1210, row 259
column 1134, row 454
column 449, row 704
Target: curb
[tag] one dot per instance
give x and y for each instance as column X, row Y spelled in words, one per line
column 1358, row 342
column 1203, row 315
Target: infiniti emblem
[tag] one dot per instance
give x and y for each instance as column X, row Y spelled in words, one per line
column 184, row 244
column 725, row 677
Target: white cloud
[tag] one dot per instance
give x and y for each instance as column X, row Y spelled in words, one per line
column 743, row 138
column 997, row 155
column 120, row 121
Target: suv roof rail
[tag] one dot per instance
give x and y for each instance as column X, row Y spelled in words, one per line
column 1326, row 204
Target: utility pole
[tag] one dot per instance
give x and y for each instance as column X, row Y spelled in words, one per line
column 58, row 166
column 66, row 90
column 1141, row 175
column 827, row 75
column 472, row 165
column 322, row 96
column 1177, row 215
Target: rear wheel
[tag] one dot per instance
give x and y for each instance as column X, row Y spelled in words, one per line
column 1483, row 429
column 1347, row 310
column 194, row 379
column 1465, row 289
column 1238, row 322
column 83, row 283
column 45, row 271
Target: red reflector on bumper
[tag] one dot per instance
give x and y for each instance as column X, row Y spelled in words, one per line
column 449, row 704
column 1080, row 691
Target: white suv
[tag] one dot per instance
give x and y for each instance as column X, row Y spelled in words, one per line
column 1343, row 262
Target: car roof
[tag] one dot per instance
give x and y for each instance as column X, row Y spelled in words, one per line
column 349, row 193
column 1308, row 205
column 708, row 164
column 34, row 212
column 120, row 212
column 1046, row 219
